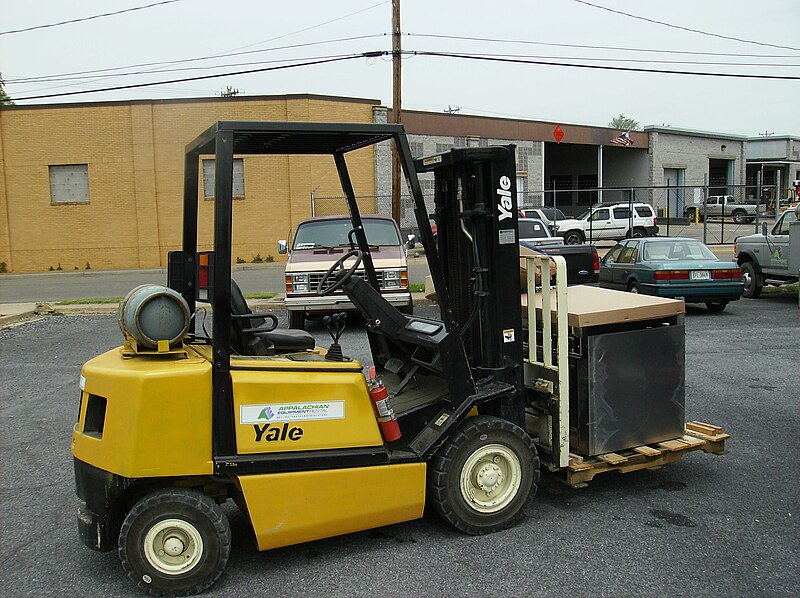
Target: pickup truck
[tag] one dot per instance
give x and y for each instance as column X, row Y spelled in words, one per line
column 771, row 257
column 724, row 205
column 583, row 263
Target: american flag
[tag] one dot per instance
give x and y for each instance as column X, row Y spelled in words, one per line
column 623, row 139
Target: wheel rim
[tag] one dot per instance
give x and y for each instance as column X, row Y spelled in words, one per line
column 173, row 546
column 633, row 288
column 747, row 279
column 490, row 478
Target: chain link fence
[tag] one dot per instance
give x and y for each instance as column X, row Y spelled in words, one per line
column 714, row 214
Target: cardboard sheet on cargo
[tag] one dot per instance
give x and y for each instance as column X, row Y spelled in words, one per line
column 593, row 306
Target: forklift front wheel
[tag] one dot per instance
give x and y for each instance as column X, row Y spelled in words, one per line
column 175, row 541
column 483, row 475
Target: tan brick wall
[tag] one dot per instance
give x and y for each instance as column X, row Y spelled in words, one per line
column 135, row 154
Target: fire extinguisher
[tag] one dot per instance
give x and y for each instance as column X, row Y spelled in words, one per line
column 383, row 409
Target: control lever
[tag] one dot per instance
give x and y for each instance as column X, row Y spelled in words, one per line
column 335, row 325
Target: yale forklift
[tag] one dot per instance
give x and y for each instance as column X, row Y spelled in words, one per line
column 177, row 421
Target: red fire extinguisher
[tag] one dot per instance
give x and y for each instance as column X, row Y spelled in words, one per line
column 383, row 409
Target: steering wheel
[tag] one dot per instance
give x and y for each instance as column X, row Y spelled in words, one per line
column 339, row 264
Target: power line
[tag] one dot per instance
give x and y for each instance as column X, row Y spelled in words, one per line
column 638, row 60
column 78, row 74
column 601, row 67
column 202, row 77
column 656, row 22
column 594, row 47
column 107, row 14
column 203, row 68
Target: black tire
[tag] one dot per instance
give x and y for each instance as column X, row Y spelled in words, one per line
column 573, row 237
column 454, row 488
column 297, row 320
column 633, row 287
column 176, row 518
column 740, row 216
column 638, row 232
column 752, row 282
column 693, row 214
column 716, row 306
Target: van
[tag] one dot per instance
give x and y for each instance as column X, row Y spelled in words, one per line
column 319, row 242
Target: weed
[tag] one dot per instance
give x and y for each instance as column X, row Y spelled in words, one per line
column 88, row 267
column 257, row 259
column 240, row 260
column 59, row 268
column 3, row 267
column 417, row 287
column 269, row 259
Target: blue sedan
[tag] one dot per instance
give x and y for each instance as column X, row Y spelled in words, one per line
column 671, row 267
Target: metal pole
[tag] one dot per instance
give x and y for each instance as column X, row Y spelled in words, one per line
column 705, row 207
column 666, row 209
column 600, row 173
column 313, row 206
column 777, row 193
column 396, row 105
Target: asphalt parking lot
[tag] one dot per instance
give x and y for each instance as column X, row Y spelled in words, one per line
column 705, row 526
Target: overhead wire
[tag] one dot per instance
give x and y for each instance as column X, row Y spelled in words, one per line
column 594, row 47
column 599, row 66
column 682, row 28
column 89, row 18
column 202, row 77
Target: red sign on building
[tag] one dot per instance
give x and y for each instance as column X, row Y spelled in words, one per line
column 558, row 133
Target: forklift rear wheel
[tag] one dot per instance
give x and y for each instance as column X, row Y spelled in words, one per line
column 175, row 541
column 483, row 475
column 297, row 320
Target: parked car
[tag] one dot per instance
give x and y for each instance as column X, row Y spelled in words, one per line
column 724, row 205
column 609, row 221
column 672, row 267
column 547, row 215
column 319, row 242
column 583, row 263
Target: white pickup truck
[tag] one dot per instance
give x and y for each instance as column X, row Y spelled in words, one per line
column 771, row 257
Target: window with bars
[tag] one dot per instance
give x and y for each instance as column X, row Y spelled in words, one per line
column 524, row 154
column 69, row 183
column 417, row 149
column 459, row 142
column 238, row 178
column 443, row 147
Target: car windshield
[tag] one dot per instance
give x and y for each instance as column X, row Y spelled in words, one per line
column 553, row 213
column 333, row 233
column 669, row 250
column 583, row 215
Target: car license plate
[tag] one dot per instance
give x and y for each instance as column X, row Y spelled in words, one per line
column 700, row 275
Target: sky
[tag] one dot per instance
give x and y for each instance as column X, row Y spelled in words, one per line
column 270, row 34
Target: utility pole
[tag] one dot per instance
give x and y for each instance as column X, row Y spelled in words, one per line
column 396, row 106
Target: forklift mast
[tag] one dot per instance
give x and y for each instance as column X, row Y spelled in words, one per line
column 476, row 216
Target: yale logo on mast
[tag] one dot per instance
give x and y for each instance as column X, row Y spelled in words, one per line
column 504, row 201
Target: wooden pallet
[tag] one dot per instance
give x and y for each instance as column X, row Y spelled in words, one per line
column 698, row 436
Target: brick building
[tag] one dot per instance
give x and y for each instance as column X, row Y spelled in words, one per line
column 102, row 183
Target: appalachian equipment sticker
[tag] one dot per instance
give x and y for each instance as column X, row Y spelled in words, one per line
column 290, row 412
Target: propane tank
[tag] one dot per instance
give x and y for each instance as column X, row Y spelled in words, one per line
column 387, row 420
column 151, row 313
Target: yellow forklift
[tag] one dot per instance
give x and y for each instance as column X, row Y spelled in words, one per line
column 177, row 421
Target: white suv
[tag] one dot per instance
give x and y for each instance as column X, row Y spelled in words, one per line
column 612, row 221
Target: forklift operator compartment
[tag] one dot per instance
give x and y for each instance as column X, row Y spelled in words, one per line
column 456, row 413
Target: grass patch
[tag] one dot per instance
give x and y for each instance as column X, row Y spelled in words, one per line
column 786, row 288
column 259, row 295
column 417, row 287
column 91, row 301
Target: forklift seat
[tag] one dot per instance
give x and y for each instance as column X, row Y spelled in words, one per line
column 258, row 342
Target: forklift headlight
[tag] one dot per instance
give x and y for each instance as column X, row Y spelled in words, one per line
column 300, row 283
